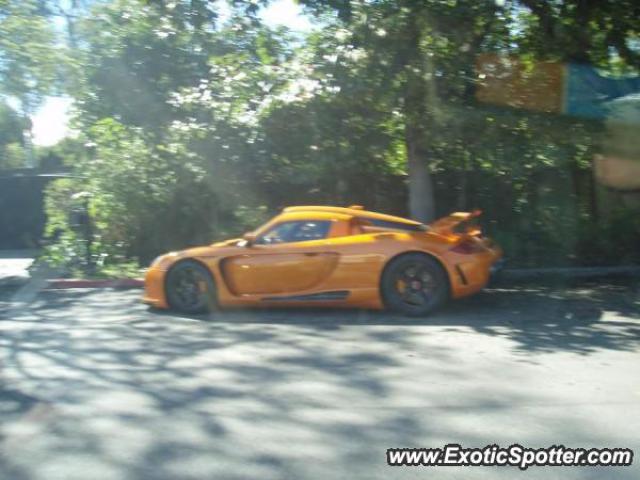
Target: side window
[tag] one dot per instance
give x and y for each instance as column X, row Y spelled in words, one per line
column 289, row 232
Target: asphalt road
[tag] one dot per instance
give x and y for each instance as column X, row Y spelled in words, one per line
column 93, row 385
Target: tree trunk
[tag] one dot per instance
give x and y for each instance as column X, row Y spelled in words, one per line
column 27, row 134
column 421, row 198
column 421, row 114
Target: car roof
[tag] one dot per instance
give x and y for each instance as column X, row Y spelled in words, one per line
column 354, row 211
column 287, row 215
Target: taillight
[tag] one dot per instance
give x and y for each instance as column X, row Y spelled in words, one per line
column 467, row 247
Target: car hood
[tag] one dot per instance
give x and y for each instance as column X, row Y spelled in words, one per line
column 220, row 248
column 210, row 250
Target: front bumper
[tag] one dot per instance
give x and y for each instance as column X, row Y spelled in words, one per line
column 154, row 288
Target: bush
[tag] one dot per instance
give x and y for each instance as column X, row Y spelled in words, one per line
column 141, row 199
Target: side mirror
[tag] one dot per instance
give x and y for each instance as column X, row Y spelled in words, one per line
column 249, row 238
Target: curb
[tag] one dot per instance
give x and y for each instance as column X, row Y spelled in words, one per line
column 68, row 283
column 569, row 272
column 506, row 274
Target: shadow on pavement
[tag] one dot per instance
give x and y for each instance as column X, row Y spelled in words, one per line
column 535, row 317
column 139, row 394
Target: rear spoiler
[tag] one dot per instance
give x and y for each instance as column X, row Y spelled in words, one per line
column 456, row 224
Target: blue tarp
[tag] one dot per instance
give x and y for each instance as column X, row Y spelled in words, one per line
column 587, row 93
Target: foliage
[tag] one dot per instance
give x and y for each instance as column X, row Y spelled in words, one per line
column 30, row 60
column 582, row 32
column 194, row 128
column 32, row 65
column 134, row 191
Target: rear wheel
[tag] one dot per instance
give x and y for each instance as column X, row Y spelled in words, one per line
column 190, row 288
column 414, row 284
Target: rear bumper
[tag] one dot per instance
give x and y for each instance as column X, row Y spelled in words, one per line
column 471, row 273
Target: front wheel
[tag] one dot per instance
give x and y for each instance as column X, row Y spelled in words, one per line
column 414, row 284
column 190, row 288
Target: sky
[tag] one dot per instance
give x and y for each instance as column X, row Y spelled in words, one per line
column 287, row 13
column 51, row 121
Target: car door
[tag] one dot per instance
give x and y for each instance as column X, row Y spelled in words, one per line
column 290, row 257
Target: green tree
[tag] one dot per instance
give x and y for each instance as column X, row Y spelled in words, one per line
column 421, row 55
column 206, row 126
column 581, row 31
column 136, row 54
column 169, row 105
column 11, row 127
column 31, row 58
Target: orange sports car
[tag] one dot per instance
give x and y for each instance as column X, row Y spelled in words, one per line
column 330, row 256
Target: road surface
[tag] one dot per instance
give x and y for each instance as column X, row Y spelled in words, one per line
column 14, row 266
column 94, row 385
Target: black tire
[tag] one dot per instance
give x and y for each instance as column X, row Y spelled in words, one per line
column 190, row 288
column 414, row 284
